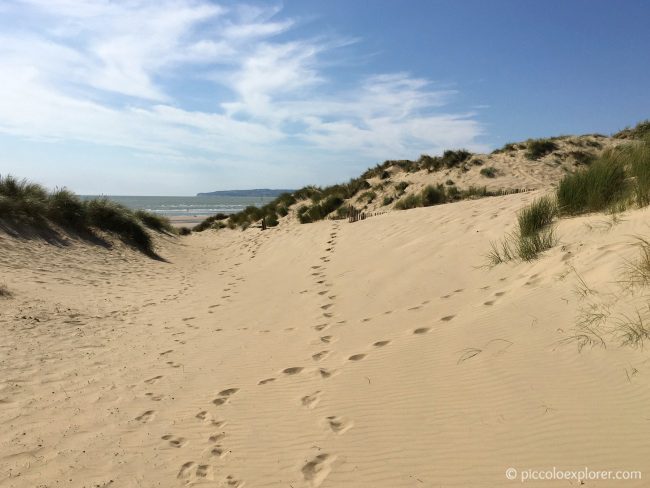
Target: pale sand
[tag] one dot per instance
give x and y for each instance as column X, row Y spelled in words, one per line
column 186, row 220
column 373, row 354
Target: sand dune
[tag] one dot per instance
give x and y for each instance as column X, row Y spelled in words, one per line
column 375, row 354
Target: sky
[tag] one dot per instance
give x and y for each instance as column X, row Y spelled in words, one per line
column 175, row 97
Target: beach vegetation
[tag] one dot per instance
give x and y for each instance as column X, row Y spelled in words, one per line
column 489, row 172
column 109, row 216
column 537, row 148
column 433, row 195
column 410, row 201
column 4, row 291
column 596, row 188
column 24, row 202
column 156, row 222
column 536, row 216
column 639, row 131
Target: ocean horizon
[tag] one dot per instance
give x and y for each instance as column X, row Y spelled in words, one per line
column 190, row 206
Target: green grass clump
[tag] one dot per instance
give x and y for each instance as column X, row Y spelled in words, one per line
column 368, row 196
column 184, row 231
column 536, row 148
column 594, row 189
column 155, row 222
column 433, row 195
column 410, row 201
column 533, row 236
column 639, row 131
column 212, row 222
column 536, row 216
column 271, row 220
column 508, row 147
column 387, row 200
column 528, row 247
column 109, row 216
column 489, row 172
column 66, row 209
column 452, row 159
column 401, row 187
column 517, row 246
column 21, row 200
column 637, row 157
column 582, row 157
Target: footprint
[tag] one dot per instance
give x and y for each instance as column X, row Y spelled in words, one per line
column 415, row 308
column 228, row 392
column 500, row 294
column 489, row 302
column 219, row 401
column 174, row 441
column 326, row 339
column 421, row 330
column 217, row 436
column 447, row 318
column 325, row 307
column 204, row 415
column 218, row 451
column 146, row 416
column 155, row 398
column 357, row 357
column 292, row 371
column 233, row 482
column 186, row 470
column 310, row 401
column 190, row 470
column 264, row 382
column 320, row 355
column 151, row 381
column 339, row 425
column 381, row 343
column 173, row 364
column 320, row 327
column 326, row 373
column 166, row 352
column 203, row 471
column 316, row 470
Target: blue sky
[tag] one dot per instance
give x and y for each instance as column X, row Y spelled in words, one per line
column 173, row 97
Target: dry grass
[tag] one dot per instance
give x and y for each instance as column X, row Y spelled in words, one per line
column 4, row 292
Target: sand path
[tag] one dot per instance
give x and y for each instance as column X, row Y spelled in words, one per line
column 374, row 354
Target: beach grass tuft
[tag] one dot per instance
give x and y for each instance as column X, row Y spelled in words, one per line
column 537, row 148
column 155, row 222
column 25, row 202
column 4, row 291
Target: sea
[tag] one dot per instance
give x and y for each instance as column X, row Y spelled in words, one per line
column 187, row 206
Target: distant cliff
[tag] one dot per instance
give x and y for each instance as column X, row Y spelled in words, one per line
column 260, row 192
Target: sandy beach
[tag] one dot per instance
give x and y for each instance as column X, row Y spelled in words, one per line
column 374, row 354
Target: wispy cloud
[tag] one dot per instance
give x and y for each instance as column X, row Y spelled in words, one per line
column 114, row 74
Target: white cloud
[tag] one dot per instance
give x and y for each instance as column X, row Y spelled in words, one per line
column 108, row 73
